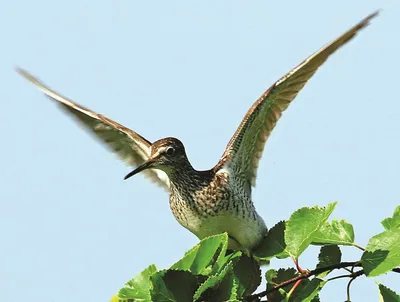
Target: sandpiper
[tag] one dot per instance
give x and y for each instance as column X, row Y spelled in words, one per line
column 217, row 200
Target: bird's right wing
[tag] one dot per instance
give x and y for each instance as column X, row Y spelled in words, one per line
column 245, row 148
column 131, row 147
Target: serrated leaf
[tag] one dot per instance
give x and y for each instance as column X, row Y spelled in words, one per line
column 270, row 275
column 275, row 278
column 328, row 255
column 173, row 285
column 273, row 244
column 303, row 225
column 388, row 295
column 212, row 282
column 226, row 291
column 139, row 287
column 247, row 274
column 308, row 292
column 187, row 260
column 233, row 257
column 392, row 222
column 208, row 251
column 371, row 260
column 209, row 248
column 337, row 232
column 382, row 253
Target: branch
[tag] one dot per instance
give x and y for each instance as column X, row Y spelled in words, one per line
column 308, row 274
column 353, row 277
column 359, row 247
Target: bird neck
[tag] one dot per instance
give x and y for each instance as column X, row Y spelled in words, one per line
column 187, row 179
column 181, row 172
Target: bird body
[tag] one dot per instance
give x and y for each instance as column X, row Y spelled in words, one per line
column 209, row 202
column 215, row 204
column 216, row 200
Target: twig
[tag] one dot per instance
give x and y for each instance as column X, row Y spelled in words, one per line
column 339, row 277
column 317, row 271
column 299, row 269
column 256, row 297
column 294, row 287
column 353, row 277
column 359, row 247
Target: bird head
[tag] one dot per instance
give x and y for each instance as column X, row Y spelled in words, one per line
column 166, row 154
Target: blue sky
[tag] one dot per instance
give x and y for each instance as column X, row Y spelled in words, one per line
column 73, row 230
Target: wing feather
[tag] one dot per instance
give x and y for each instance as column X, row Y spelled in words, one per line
column 245, row 148
column 130, row 146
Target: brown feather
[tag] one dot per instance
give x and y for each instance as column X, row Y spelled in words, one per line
column 131, row 147
column 243, row 151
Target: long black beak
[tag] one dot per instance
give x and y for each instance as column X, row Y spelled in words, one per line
column 146, row 165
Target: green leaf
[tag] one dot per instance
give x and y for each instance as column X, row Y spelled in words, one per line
column 206, row 289
column 328, row 255
column 382, row 253
column 247, row 275
column 307, row 290
column 275, row 278
column 186, row 262
column 226, row 290
column 316, row 299
column 337, row 232
column 139, row 287
column 270, row 275
column 208, row 251
column 273, row 244
column 392, row 222
column 173, row 285
column 233, row 257
column 388, row 295
column 302, row 227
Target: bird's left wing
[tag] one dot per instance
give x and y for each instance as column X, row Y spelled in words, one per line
column 245, row 148
column 131, row 147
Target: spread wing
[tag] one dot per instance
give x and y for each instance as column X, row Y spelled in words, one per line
column 131, row 147
column 245, row 148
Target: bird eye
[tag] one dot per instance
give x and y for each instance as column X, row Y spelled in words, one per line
column 170, row 151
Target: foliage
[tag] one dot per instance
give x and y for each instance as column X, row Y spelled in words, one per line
column 209, row 272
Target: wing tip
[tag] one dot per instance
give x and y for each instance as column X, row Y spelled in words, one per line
column 31, row 78
column 51, row 94
column 22, row 72
column 366, row 21
column 374, row 14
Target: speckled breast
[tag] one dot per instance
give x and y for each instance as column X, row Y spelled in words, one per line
column 194, row 202
column 217, row 206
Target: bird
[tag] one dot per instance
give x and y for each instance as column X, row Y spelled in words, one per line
column 218, row 200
